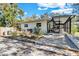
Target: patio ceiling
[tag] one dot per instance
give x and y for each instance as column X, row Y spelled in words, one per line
column 62, row 19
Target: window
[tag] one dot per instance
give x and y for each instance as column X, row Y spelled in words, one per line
column 38, row 24
column 25, row 25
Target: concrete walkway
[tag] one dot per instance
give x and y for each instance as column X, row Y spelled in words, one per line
column 72, row 42
column 53, row 39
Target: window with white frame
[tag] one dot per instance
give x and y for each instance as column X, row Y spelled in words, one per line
column 25, row 25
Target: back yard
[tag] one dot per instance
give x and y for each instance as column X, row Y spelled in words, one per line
column 48, row 45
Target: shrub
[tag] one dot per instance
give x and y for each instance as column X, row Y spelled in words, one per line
column 78, row 29
column 37, row 30
column 14, row 34
column 74, row 29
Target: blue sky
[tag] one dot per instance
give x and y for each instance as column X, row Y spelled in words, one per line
column 41, row 8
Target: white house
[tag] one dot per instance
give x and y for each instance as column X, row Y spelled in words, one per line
column 30, row 25
column 46, row 25
column 54, row 24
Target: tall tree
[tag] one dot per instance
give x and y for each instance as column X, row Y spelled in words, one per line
column 45, row 16
column 10, row 12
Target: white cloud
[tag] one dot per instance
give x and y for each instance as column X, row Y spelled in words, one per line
column 46, row 5
column 60, row 11
column 61, row 5
column 40, row 8
column 51, row 5
column 25, row 13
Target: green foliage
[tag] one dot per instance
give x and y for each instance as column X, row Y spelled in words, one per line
column 2, row 21
column 10, row 11
column 18, row 27
column 78, row 29
column 74, row 29
column 14, row 34
column 37, row 30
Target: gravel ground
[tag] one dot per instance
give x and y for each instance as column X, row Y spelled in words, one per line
column 11, row 47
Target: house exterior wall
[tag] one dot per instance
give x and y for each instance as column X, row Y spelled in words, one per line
column 4, row 31
column 32, row 25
